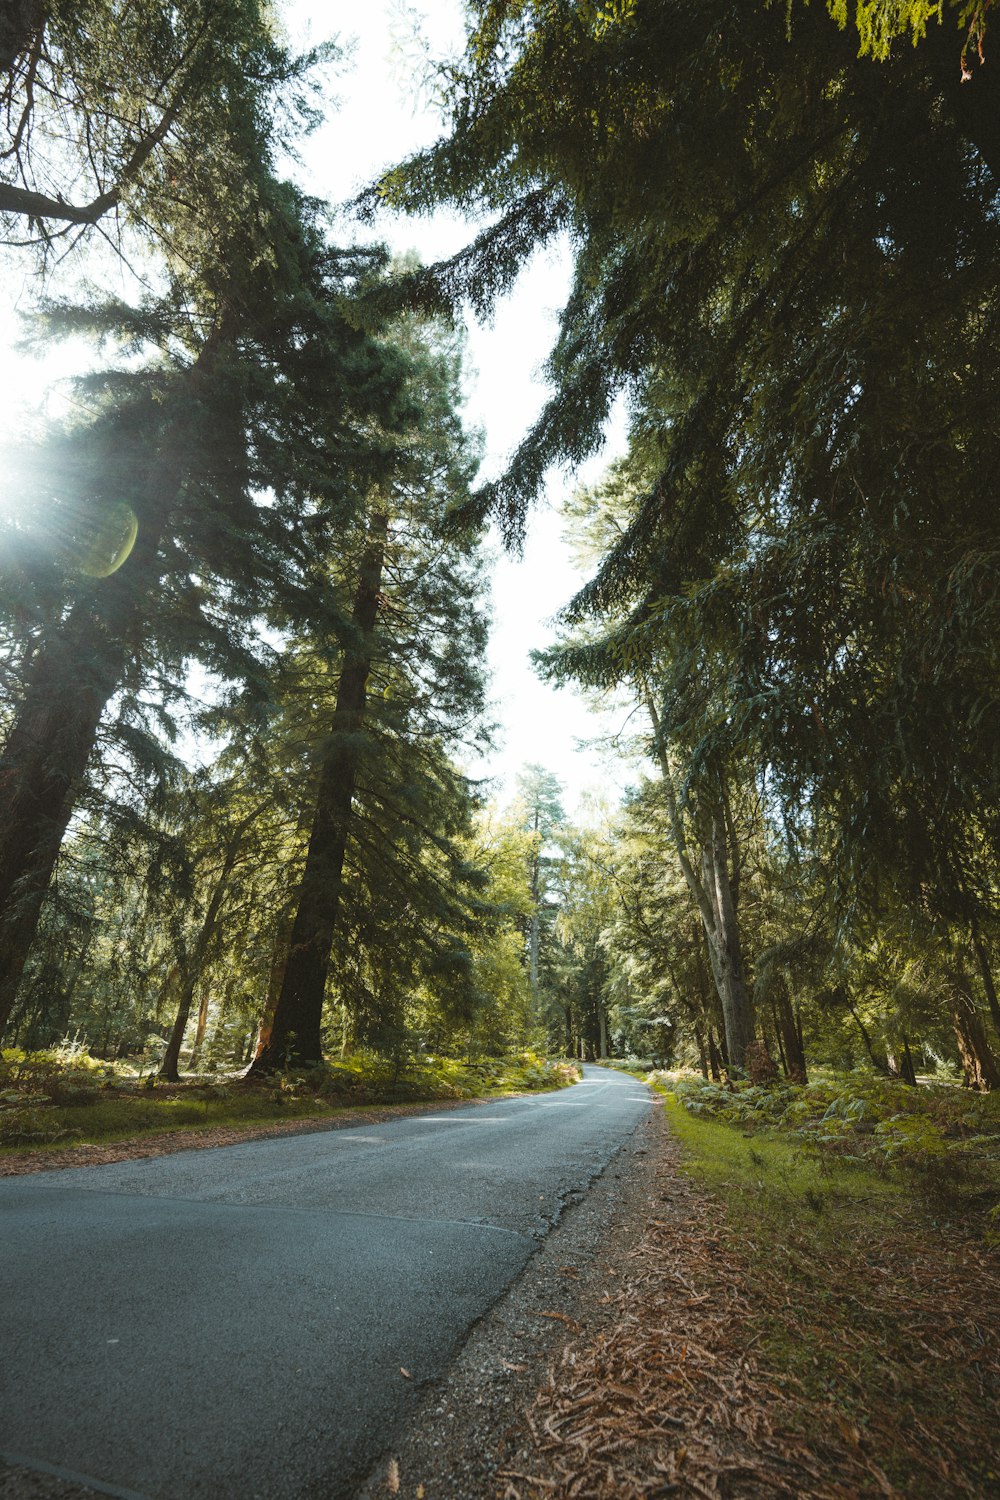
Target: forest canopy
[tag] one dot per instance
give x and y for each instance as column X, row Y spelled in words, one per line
column 784, row 238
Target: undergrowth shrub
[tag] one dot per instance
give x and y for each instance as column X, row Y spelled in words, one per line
column 368, row 1078
column 946, row 1141
column 65, row 1095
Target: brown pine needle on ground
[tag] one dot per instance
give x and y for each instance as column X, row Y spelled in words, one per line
column 857, row 1355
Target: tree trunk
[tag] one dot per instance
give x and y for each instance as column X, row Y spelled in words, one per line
column 777, row 1037
column 295, row 1027
column 907, row 1071
column 42, row 766
column 167, row 988
column 699, row 1037
column 978, row 1063
column 715, row 1061
column 880, row 1062
column 194, row 969
column 199, row 1031
column 533, row 959
column 536, row 870
column 275, row 979
column 725, row 949
column 985, row 969
column 715, row 892
column 789, row 1033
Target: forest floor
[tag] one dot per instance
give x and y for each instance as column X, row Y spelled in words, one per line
column 761, row 1338
column 64, row 1109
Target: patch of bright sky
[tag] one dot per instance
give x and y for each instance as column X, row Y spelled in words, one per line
column 382, row 114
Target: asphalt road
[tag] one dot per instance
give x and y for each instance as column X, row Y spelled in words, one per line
column 234, row 1323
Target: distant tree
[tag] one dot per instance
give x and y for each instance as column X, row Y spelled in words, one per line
column 539, row 794
column 587, row 904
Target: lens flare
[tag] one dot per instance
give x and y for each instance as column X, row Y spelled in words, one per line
column 105, row 543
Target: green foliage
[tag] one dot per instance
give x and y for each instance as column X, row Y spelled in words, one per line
column 59, row 1075
column 880, row 22
column 63, row 1096
column 159, row 121
column 370, row 1078
column 932, row 1132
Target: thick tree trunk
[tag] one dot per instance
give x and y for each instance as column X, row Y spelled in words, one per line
column 716, row 892
column 275, row 979
column 907, row 1071
column 42, row 766
column 295, row 1026
column 168, row 1066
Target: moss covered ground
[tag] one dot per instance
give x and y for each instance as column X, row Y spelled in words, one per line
column 863, row 1215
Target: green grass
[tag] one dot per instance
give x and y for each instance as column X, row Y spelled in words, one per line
column 59, row 1125
column 864, row 1294
column 49, row 1101
column 767, row 1175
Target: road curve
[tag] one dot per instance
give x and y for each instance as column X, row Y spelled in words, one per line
column 234, row 1323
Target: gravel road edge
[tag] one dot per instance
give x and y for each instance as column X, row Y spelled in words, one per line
column 470, row 1429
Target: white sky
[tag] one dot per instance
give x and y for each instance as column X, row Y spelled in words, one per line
column 380, row 117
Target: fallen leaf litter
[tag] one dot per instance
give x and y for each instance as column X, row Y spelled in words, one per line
column 670, row 1400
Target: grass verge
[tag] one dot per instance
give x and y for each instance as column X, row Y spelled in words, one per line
column 870, row 1303
column 47, row 1103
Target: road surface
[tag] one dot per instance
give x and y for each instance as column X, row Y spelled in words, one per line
column 234, row 1323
